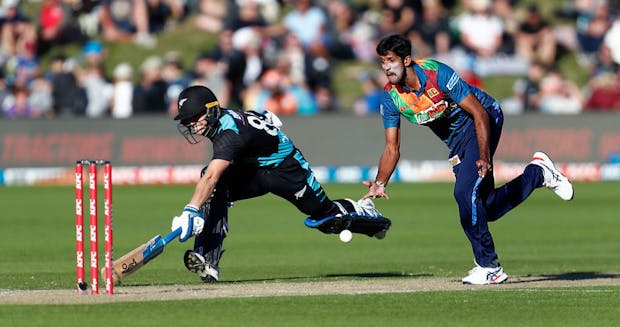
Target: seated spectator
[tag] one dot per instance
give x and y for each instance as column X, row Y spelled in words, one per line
column 149, row 94
column 210, row 71
column 507, row 12
column 372, row 86
column 612, row 40
column 247, row 41
column 176, row 79
column 592, row 23
column 559, row 95
column 16, row 105
column 276, row 93
column 308, row 22
column 98, row 89
column 18, row 33
column 126, row 21
column 431, row 34
column 58, row 25
column 397, row 16
column 604, row 92
column 244, row 13
column 211, row 15
column 40, row 97
column 535, row 40
column 122, row 96
column 526, row 92
column 482, row 35
column 480, row 30
column 69, row 97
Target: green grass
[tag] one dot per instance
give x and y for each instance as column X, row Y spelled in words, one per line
column 268, row 242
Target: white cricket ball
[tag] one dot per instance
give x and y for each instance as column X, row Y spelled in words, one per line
column 346, row 236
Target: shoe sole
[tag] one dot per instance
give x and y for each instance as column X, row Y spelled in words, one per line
column 193, row 263
column 544, row 160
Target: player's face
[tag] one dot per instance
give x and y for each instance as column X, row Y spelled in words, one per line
column 197, row 125
column 393, row 67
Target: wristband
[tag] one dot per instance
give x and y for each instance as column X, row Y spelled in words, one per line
column 380, row 184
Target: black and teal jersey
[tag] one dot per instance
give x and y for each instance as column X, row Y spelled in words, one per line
column 249, row 138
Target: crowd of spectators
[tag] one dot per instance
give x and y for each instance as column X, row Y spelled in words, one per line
column 280, row 54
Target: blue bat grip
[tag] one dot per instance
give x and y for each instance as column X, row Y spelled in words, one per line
column 172, row 235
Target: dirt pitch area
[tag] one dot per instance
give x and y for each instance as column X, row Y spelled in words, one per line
column 301, row 288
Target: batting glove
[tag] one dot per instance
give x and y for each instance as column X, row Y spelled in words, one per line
column 190, row 221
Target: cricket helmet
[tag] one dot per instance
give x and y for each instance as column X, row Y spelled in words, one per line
column 194, row 102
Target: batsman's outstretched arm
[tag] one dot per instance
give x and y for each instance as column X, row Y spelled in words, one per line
column 206, row 184
column 191, row 220
column 387, row 164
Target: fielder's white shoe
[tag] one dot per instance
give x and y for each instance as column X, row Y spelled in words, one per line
column 484, row 276
column 197, row 264
column 554, row 179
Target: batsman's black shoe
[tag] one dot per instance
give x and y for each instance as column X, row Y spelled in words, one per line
column 197, row 264
column 360, row 224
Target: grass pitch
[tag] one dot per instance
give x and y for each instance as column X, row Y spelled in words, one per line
column 269, row 243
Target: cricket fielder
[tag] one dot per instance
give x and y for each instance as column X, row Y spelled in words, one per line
column 252, row 157
column 469, row 122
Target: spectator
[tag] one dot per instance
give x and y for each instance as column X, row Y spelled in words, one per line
column 244, row 13
column 98, row 89
column 506, row 11
column 308, row 22
column 149, row 94
column 526, row 92
column 431, row 34
column 18, row 34
column 535, row 40
column 16, row 105
column 122, row 97
column 481, row 31
column 559, row 95
column 310, row 71
column 248, row 42
column 58, row 25
column 482, row 35
column 338, row 37
column 605, row 92
column 612, row 40
column 126, row 21
column 372, row 86
column 397, row 16
column 593, row 21
column 209, row 71
column 40, row 97
column 176, row 80
column 69, row 97
column 211, row 15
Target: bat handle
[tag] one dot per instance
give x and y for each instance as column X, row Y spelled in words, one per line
column 172, row 235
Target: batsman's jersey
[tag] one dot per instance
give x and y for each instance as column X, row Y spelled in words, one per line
column 250, row 138
column 435, row 104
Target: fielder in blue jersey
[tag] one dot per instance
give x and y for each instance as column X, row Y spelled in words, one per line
column 251, row 157
column 469, row 122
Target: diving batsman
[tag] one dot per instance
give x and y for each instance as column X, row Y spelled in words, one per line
column 252, row 157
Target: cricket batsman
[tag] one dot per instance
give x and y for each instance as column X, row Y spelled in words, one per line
column 252, row 157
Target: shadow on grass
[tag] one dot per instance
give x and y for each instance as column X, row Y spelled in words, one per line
column 580, row 275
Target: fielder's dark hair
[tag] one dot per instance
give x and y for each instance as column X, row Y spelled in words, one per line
column 396, row 43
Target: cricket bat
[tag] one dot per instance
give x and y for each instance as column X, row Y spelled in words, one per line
column 141, row 255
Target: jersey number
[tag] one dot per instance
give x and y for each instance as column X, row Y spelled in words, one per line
column 260, row 122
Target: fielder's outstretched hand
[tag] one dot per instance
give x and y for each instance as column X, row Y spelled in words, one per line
column 375, row 190
column 190, row 221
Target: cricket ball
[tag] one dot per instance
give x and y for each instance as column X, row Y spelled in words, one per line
column 346, row 236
